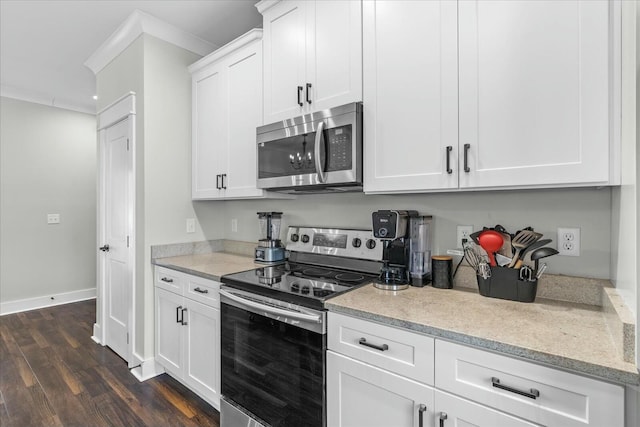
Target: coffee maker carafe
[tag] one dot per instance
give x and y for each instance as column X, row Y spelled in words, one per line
column 270, row 249
column 406, row 238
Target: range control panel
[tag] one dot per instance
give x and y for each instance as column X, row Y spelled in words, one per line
column 348, row 243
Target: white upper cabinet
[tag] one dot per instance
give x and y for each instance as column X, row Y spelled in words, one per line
column 534, row 92
column 312, row 56
column 410, row 95
column 489, row 94
column 227, row 109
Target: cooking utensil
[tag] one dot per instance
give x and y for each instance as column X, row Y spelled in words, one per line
column 541, row 270
column 502, row 260
column 542, row 253
column 521, row 240
column 472, row 256
column 526, row 274
column 491, row 241
column 531, row 247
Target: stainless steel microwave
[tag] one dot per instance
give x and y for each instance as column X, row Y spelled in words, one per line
column 317, row 152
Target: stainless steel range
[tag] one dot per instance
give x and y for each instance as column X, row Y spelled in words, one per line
column 273, row 326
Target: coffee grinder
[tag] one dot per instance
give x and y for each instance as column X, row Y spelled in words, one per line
column 270, row 249
column 406, row 239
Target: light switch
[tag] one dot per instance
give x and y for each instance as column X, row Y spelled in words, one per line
column 53, row 218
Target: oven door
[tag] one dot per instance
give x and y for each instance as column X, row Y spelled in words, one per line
column 273, row 360
column 316, row 150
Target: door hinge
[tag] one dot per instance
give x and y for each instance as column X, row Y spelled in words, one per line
column 127, row 144
column 127, row 241
column 127, row 337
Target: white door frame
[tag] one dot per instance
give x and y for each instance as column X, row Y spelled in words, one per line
column 121, row 109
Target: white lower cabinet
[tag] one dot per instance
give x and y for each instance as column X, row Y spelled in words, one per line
column 384, row 376
column 188, row 331
column 361, row 395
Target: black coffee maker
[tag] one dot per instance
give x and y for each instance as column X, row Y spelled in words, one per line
column 391, row 227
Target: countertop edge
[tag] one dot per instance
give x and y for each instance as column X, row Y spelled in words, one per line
column 557, row 362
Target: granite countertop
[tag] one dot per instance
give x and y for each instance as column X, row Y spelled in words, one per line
column 563, row 335
column 212, row 265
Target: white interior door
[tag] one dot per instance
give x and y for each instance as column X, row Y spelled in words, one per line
column 117, row 218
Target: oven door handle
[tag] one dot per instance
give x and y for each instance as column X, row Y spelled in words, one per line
column 270, row 309
column 319, row 146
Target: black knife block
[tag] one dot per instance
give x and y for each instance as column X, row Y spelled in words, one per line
column 505, row 283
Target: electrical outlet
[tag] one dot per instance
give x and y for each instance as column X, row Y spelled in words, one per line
column 569, row 241
column 234, row 225
column 191, row 225
column 463, row 232
column 53, row 218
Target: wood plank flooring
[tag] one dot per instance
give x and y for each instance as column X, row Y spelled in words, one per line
column 53, row 374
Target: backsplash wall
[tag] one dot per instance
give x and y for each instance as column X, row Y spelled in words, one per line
column 545, row 210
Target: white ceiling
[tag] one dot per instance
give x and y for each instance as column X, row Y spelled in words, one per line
column 44, row 44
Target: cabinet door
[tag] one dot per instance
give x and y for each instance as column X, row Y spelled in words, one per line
column 169, row 331
column 209, row 128
column 202, row 350
column 333, row 53
column 244, row 109
column 534, row 92
column 284, row 60
column 410, row 95
column 463, row 413
column 359, row 395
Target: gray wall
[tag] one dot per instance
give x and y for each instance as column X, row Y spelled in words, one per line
column 157, row 72
column 545, row 210
column 47, row 165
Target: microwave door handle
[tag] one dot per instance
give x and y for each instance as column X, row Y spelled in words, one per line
column 318, row 150
column 269, row 309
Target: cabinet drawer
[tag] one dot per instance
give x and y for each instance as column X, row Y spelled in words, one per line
column 203, row 290
column 395, row 350
column 170, row 280
column 543, row 395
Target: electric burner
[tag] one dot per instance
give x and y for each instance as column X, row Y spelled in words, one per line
column 323, row 262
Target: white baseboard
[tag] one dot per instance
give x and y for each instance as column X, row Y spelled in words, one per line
column 149, row 368
column 9, row 307
column 97, row 333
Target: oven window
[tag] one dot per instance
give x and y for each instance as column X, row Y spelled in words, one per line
column 272, row 369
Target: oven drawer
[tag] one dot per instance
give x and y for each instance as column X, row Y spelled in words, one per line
column 203, row 290
column 396, row 350
column 169, row 280
column 543, row 395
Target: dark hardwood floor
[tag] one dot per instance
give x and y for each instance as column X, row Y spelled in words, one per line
column 53, row 374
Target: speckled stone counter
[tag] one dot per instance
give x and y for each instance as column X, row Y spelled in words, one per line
column 563, row 335
column 212, row 265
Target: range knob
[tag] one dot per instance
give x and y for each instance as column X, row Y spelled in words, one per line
column 371, row 243
column 356, row 242
column 305, row 238
column 304, row 290
column 294, row 237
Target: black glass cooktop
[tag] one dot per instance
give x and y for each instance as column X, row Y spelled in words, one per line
column 303, row 284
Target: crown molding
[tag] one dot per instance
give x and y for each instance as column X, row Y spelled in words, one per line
column 136, row 24
column 245, row 39
column 264, row 5
column 43, row 99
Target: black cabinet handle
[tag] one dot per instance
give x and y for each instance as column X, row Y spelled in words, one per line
column 224, row 185
column 363, row 341
column 300, row 96
column 202, row 291
column 449, row 149
column 466, row 157
column 104, row 248
column 184, row 310
column 308, row 98
column 165, row 279
column 178, row 311
column 531, row 394
column 218, row 181
column 421, row 409
column 443, row 416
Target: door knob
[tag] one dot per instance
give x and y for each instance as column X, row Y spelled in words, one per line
column 104, row 248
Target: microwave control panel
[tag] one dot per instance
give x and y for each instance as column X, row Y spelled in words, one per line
column 339, row 148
